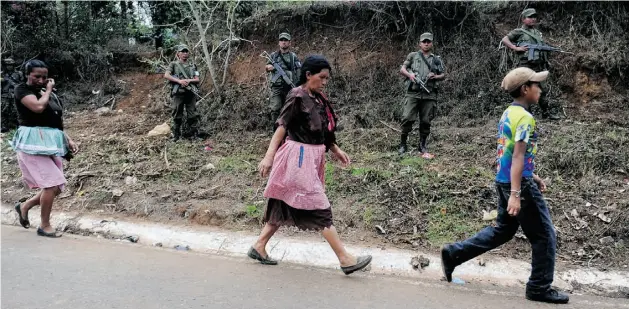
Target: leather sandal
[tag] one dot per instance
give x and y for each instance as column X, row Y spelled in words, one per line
column 254, row 254
column 361, row 262
column 41, row 232
column 23, row 220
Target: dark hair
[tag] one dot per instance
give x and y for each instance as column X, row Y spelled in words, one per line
column 32, row 64
column 518, row 91
column 313, row 64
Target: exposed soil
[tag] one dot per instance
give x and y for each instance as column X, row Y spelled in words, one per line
column 383, row 199
column 417, row 203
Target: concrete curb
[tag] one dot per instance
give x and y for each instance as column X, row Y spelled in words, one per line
column 317, row 253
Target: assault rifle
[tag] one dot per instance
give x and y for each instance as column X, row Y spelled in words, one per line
column 191, row 87
column 418, row 82
column 541, row 47
column 278, row 70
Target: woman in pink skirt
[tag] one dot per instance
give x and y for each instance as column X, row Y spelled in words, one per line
column 296, row 193
column 40, row 143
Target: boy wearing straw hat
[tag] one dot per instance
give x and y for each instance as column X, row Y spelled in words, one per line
column 520, row 200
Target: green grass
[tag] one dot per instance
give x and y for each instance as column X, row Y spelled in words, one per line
column 235, row 164
column 413, row 161
column 330, row 182
column 368, row 215
column 252, row 211
column 446, row 224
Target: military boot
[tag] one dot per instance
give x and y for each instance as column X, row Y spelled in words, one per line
column 175, row 132
column 403, row 147
column 423, row 147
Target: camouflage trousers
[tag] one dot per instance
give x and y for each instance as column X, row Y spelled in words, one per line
column 9, row 114
column 185, row 104
column 276, row 101
column 414, row 107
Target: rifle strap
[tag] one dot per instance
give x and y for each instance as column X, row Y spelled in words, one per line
column 290, row 67
column 183, row 71
column 425, row 61
column 531, row 34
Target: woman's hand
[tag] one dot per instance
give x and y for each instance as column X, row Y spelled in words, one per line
column 341, row 155
column 265, row 166
column 74, row 147
column 50, row 85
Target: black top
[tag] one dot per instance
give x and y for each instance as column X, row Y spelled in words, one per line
column 51, row 117
column 308, row 120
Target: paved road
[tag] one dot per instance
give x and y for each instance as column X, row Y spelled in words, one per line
column 81, row 272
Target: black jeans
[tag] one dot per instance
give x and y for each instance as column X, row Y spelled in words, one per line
column 537, row 225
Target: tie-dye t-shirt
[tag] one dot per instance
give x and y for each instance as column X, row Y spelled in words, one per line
column 516, row 124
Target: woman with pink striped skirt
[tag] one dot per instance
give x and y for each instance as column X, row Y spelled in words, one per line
column 296, row 162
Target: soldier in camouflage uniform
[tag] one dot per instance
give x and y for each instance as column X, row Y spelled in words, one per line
column 421, row 66
column 184, row 77
column 290, row 64
column 10, row 79
column 529, row 34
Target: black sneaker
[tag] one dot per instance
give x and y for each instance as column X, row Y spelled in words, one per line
column 447, row 265
column 550, row 296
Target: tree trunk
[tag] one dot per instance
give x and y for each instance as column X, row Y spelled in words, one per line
column 229, row 46
column 206, row 52
column 66, row 15
column 58, row 23
column 123, row 9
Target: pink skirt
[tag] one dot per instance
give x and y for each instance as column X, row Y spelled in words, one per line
column 40, row 172
column 297, row 176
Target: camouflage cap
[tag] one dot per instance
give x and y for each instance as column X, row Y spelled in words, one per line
column 529, row 13
column 182, row 47
column 285, row 35
column 8, row 61
column 425, row 36
column 520, row 76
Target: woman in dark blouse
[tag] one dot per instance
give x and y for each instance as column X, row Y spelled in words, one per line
column 295, row 160
column 40, row 143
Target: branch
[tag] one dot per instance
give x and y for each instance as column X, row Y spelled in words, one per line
column 206, row 53
column 229, row 46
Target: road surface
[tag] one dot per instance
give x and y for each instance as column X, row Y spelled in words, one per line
column 85, row 272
